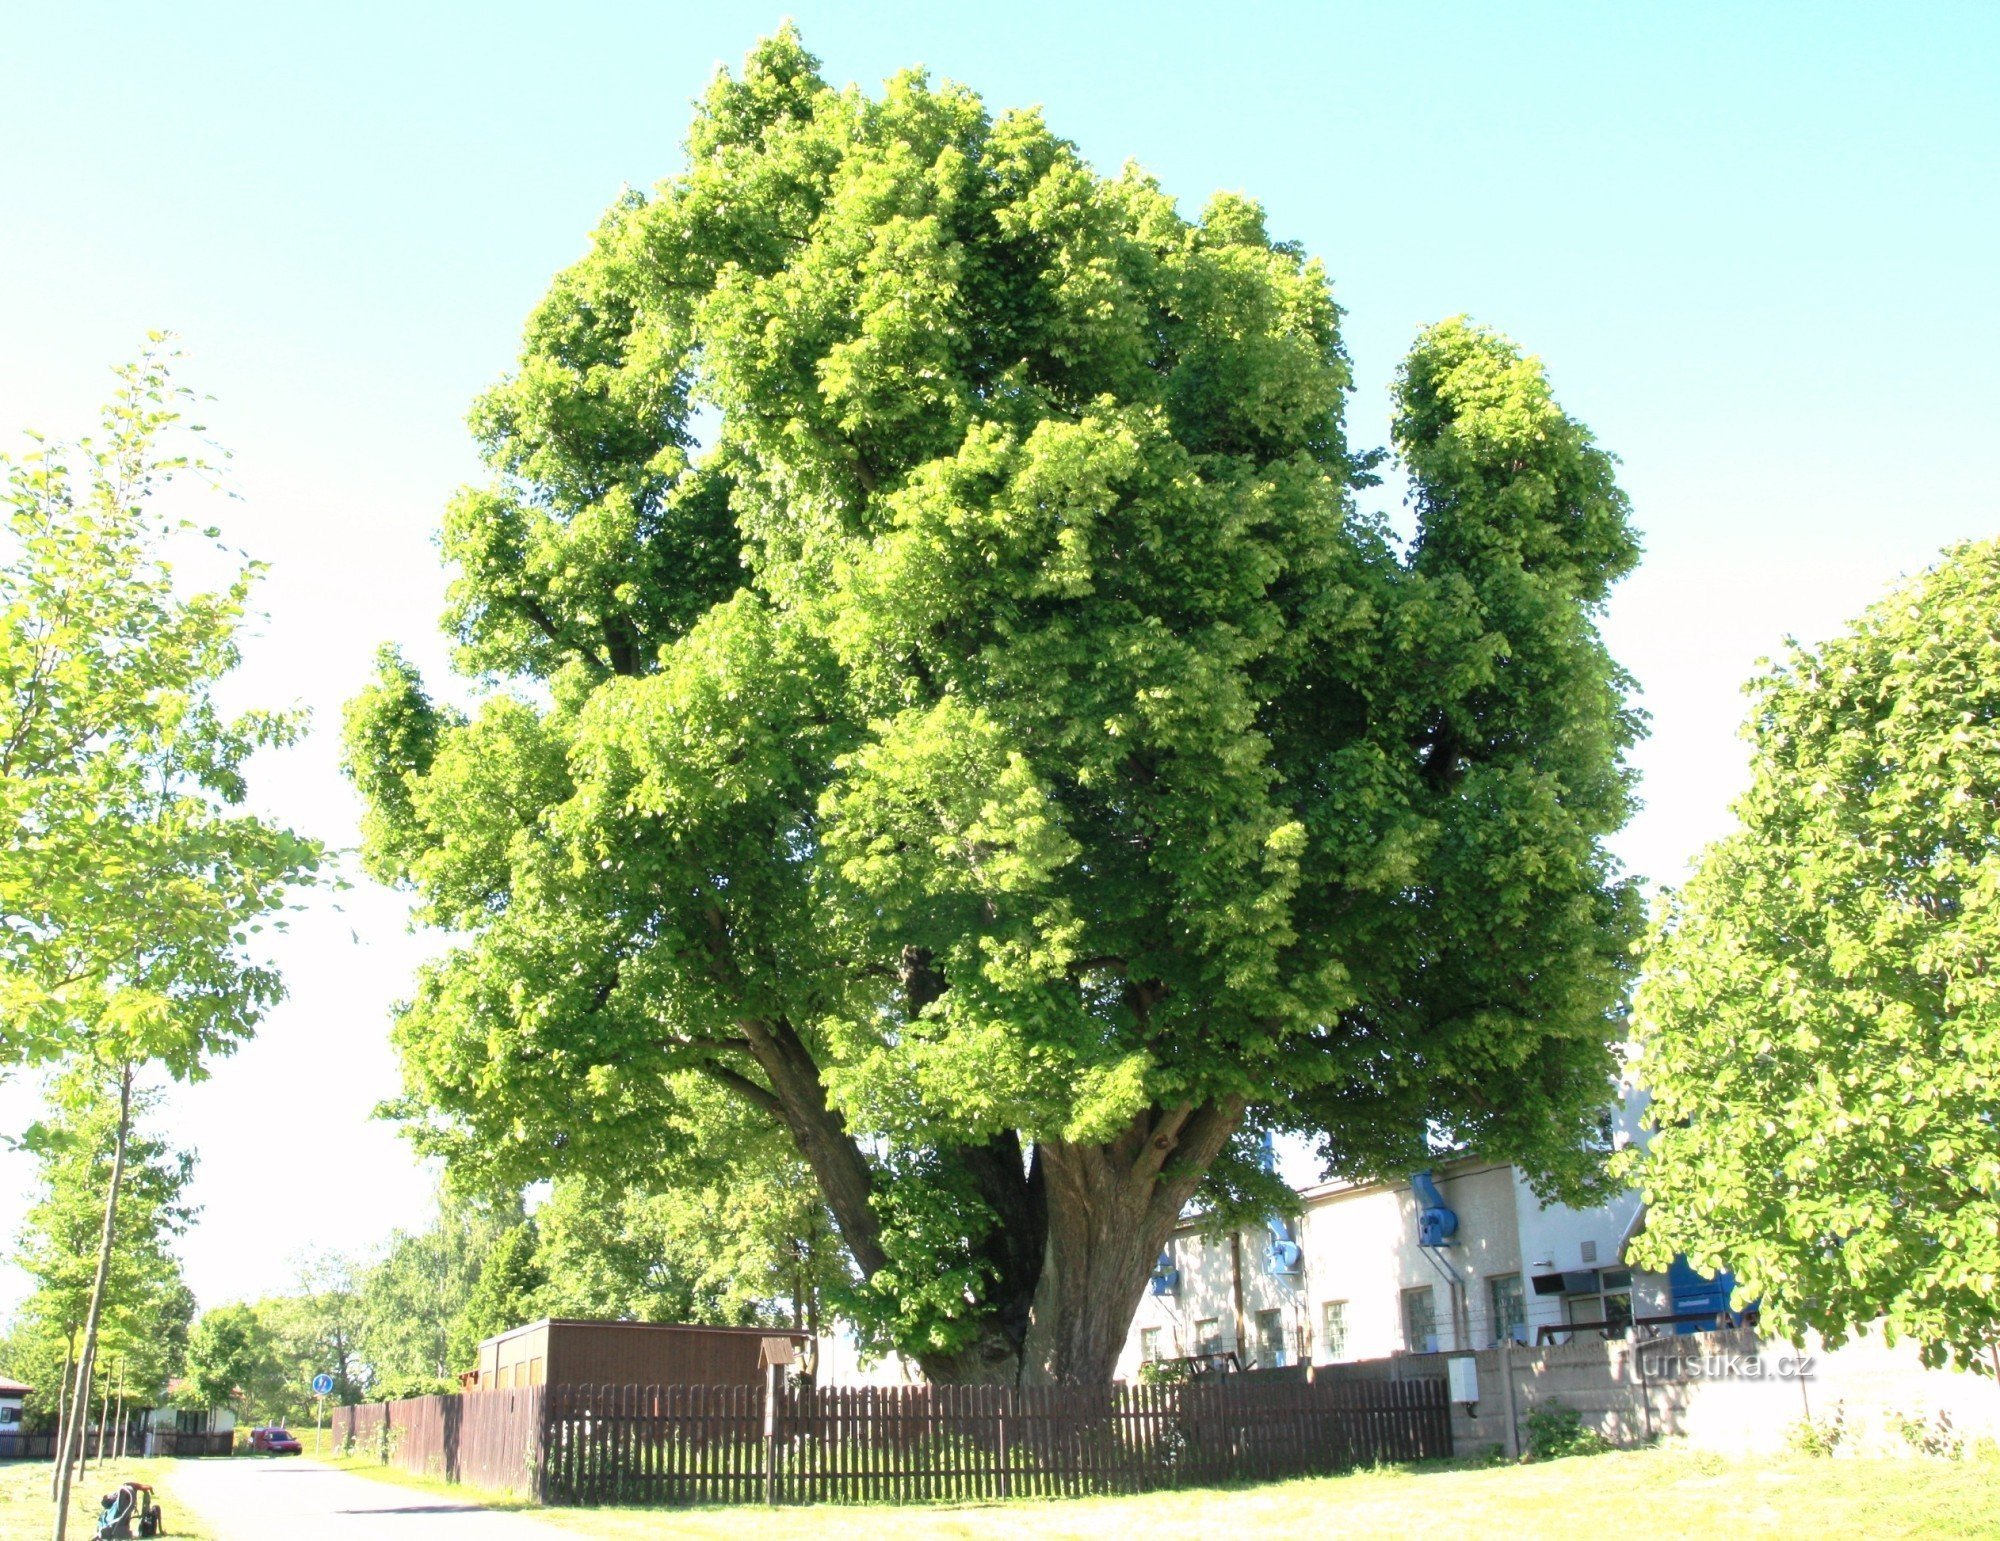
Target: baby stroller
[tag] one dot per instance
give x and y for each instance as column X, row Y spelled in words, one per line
column 129, row 1511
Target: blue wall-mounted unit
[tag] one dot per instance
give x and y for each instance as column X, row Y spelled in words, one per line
column 1693, row 1292
column 1436, row 1224
column 1166, row 1278
column 1286, row 1256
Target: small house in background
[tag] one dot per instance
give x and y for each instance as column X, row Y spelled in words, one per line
column 14, row 1443
column 172, row 1430
column 559, row 1351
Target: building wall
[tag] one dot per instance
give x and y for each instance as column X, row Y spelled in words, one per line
column 1359, row 1245
column 517, row 1358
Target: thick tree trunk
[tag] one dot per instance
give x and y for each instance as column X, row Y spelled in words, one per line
column 80, row 1398
column 1076, row 1232
column 1111, row 1208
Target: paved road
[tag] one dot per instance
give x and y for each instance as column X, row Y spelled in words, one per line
column 293, row 1499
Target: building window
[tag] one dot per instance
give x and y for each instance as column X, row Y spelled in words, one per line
column 1208, row 1336
column 1333, row 1328
column 10, row 1414
column 1149, row 1344
column 1510, row 1308
column 1609, row 1307
column 1420, row 1321
column 1271, row 1338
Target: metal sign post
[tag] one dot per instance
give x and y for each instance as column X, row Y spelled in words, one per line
column 322, row 1384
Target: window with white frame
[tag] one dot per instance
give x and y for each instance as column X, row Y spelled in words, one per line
column 1149, row 1344
column 1333, row 1328
column 1208, row 1336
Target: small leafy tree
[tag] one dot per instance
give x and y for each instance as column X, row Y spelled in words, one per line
column 131, row 883
column 1819, row 1016
column 508, row 1293
column 224, row 1354
column 74, row 1148
column 332, row 1321
column 413, row 1297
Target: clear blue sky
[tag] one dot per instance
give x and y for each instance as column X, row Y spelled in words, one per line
column 1755, row 244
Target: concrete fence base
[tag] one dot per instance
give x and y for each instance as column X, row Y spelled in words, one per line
column 1729, row 1391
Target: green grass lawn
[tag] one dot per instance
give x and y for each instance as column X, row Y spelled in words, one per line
column 26, row 1514
column 1661, row 1492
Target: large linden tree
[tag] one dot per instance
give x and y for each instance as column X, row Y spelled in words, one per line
column 946, row 711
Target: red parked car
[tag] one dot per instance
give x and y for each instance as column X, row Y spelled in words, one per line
column 275, row 1442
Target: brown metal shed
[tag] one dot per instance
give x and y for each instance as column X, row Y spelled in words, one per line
column 561, row 1351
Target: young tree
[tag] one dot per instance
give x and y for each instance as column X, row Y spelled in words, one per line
column 412, row 1299
column 1004, row 759
column 130, row 882
column 508, row 1293
column 74, row 1150
column 332, row 1321
column 225, row 1352
column 1819, row 1016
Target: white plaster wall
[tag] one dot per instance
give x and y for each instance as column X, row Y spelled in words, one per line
column 1486, row 1243
column 1351, row 1239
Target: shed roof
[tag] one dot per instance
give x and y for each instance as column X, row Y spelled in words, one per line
column 13, row 1388
column 646, row 1327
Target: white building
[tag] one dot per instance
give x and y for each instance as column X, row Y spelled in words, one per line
column 12, row 1395
column 1349, row 1279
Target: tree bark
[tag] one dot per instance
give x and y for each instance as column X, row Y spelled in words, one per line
column 1077, row 1227
column 1111, row 1208
column 62, row 1401
column 80, row 1397
column 821, row 1136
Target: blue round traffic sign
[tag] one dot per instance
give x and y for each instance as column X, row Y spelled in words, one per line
column 322, row 1385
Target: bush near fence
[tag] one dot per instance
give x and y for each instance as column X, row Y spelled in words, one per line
column 674, row 1445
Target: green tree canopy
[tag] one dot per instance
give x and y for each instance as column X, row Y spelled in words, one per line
column 146, row 1307
column 72, row 1146
column 507, row 1294
column 225, row 1353
column 130, row 885
column 946, row 697
column 1819, row 1016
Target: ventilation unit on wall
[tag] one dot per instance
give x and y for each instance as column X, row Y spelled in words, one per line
column 1436, row 1224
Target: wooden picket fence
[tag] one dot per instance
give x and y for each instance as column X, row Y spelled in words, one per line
column 672, row 1445
column 491, row 1439
column 676, row 1445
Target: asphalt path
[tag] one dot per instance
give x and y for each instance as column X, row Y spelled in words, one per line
column 290, row 1498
